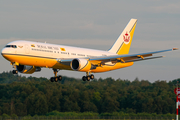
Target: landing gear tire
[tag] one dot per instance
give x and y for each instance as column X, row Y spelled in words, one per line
column 92, row 76
column 60, row 78
column 56, row 79
column 84, row 78
column 15, row 72
column 88, row 78
column 52, row 79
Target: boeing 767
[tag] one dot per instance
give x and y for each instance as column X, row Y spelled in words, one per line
column 29, row 57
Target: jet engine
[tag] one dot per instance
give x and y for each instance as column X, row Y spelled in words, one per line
column 28, row 69
column 81, row 65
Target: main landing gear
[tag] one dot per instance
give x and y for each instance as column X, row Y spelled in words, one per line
column 88, row 77
column 56, row 78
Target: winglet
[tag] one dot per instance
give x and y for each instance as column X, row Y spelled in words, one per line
column 175, row 49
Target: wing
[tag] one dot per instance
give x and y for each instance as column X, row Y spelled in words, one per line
column 129, row 57
column 118, row 58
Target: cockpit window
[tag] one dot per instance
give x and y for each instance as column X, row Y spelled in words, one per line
column 11, row 46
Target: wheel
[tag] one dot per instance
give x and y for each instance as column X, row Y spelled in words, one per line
column 92, row 76
column 88, row 78
column 15, row 72
column 56, row 79
column 60, row 78
column 84, row 78
column 52, row 79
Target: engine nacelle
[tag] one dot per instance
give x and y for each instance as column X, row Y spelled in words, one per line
column 81, row 65
column 28, row 69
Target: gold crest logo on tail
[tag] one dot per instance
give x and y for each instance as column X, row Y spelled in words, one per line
column 126, row 38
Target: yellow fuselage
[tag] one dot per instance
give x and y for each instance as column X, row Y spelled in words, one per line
column 32, row 55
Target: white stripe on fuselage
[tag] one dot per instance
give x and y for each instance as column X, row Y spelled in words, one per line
column 55, row 51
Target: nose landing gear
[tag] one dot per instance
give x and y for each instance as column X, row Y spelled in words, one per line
column 56, row 78
column 15, row 71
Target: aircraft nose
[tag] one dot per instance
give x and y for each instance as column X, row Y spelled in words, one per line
column 2, row 51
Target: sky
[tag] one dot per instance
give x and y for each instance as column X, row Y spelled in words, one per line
column 96, row 24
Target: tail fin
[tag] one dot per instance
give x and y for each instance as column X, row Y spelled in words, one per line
column 123, row 43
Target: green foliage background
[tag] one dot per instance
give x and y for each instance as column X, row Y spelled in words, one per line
column 23, row 96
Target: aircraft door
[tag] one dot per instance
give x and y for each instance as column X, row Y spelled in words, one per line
column 27, row 49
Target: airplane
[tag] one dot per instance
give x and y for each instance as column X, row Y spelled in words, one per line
column 29, row 57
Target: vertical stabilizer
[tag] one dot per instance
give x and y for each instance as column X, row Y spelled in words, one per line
column 123, row 43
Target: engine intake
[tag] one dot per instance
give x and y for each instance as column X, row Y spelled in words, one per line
column 28, row 69
column 81, row 65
